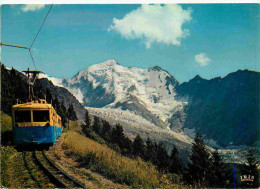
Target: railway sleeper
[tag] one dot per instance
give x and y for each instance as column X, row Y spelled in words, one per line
column 53, row 178
column 25, row 159
column 67, row 180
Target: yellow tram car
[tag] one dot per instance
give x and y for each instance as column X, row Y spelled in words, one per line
column 35, row 122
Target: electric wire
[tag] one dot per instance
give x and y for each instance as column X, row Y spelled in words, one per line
column 29, row 48
column 41, row 26
column 37, row 36
column 14, row 46
column 32, row 59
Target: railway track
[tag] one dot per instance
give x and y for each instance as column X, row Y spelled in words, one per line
column 45, row 173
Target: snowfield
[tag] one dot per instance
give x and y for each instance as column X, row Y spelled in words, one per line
column 55, row 81
column 59, row 82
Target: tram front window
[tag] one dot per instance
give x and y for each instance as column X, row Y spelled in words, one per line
column 22, row 116
column 41, row 116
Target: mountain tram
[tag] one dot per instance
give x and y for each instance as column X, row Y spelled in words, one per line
column 35, row 121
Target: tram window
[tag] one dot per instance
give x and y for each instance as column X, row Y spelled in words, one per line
column 41, row 116
column 22, row 116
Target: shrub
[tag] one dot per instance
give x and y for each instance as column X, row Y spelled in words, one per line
column 6, row 129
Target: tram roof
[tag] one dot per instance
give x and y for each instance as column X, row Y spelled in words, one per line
column 33, row 105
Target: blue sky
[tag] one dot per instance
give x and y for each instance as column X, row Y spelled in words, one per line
column 206, row 39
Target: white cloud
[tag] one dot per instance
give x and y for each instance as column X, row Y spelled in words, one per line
column 202, row 59
column 154, row 23
column 30, row 7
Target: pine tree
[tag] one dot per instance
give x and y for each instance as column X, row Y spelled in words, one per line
column 128, row 147
column 56, row 105
column 97, row 125
column 63, row 107
column 7, row 96
column 13, row 86
column 250, row 169
column 220, row 174
column 106, row 131
column 49, row 97
column 176, row 165
column 138, row 146
column 87, row 119
column 64, row 114
column 150, row 151
column 118, row 136
column 71, row 113
column 163, row 159
column 199, row 166
column 39, row 91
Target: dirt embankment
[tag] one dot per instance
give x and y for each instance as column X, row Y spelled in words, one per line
column 72, row 167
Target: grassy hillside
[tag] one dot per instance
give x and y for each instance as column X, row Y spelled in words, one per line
column 104, row 160
column 14, row 173
column 6, row 122
column 6, row 129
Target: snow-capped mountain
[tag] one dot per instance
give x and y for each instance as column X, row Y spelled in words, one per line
column 146, row 92
column 225, row 110
column 140, row 99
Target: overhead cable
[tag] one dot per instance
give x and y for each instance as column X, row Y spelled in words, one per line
column 14, row 46
column 29, row 48
column 32, row 59
column 41, row 26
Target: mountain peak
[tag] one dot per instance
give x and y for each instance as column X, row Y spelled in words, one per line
column 158, row 69
column 155, row 68
column 197, row 77
column 111, row 62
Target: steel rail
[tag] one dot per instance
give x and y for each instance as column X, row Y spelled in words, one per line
column 52, row 178
column 27, row 167
column 68, row 177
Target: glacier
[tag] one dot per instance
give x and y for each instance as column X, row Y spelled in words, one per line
column 153, row 87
